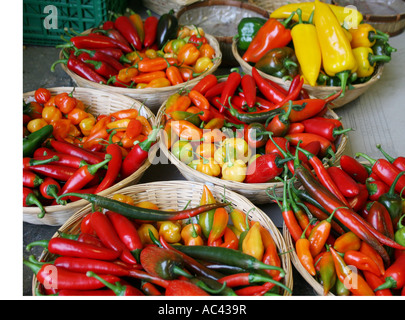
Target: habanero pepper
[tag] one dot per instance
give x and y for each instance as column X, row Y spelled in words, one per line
column 138, row 154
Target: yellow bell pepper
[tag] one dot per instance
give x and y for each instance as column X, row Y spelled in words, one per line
column 347, row 16
column 366, row 35
column 252, row 243
column 208, row 166
column 367, row 61
column 234, row 170
column 337, row 56
column 307, row 49
column 170, row 231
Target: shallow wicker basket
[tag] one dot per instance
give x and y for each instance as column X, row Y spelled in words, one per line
column 98, row 102
column 255, row 192
column 220, row 18
column 151, row 97
column 176, row 195
column 318, row 91
column 316, row 286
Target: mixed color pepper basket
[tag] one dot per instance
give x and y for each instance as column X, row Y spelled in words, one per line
column 264, row 133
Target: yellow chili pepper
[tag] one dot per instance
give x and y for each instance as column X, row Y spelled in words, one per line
column 307, row 49
column 123, row 198
column 239, row 220
column 143, row 232
column 119, row 125
column 208, row 166
column 366, row 35
column 347, row 16
column 367, row 61
column 170, row 231
column 238, row 149
column 337, row 56
column 252, row 243
column 159, row 83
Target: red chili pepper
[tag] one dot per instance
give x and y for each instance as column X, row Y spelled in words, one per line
column 28, row 162
column 126, row 232
column 73, row 150
column 58, row 172
column 60, row 278
column 361, row 261
column 98, row 55
column 219, row 225
column 269, row 91
column 249, row 89
column 82, row 265
column 386, row 171
column 324, row 128
column 30, row 179
column 205, row 84
column 398, row 162
column 184, row 288
column 150, row 27
column 263, row 103
column 119, row 289
column 376, row 188
column 379, row 218
column 374, row 281
column 114, row 167
column 138, row 154
column 75, row 249
column 92, row 42
column 199, row 100
column 354, row 168
column 109, row 237
column 357, row 203
column 346, row 184
column 231, row 84
column 395, row 275
column 29, row 199
column 327, row 147
column 114, row 34
column 102, row 68
column 80, row 293
column 62, row 159
column 280, row 124
column 81, row 177
column 50, row 188
column 215, row 91
column 245, row 279
column 82, row 191
column 124, row 25
column 150, row 289
column 115, row 53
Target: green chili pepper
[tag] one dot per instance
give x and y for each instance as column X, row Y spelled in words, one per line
column 327, row 272
column 247, row 29
column 400, row 233
column 35, row 139
column 392, row 201
column 279, row 62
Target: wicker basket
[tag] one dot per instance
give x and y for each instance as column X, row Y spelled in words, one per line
column 318, row 288
column 255, row 192
column 318, row 91
column 176, row 195
column 99, row 103
column 151, row 97
column 212, row 14
column 274, row 4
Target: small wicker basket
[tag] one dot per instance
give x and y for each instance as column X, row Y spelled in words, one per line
column 318, row 91
column 176, row 195
column 151, row 97
column 99, row 103
column 255, row 192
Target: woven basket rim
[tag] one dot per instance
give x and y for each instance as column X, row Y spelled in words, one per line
column 237, row 200
column 76, row 204
column 244, row 64
column 146, row 91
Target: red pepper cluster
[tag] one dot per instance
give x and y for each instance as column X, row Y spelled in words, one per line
column 111, row 255
column 267, row 121
column 349, row 216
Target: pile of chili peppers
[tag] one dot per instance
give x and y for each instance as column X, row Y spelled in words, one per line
column 346, row 223
column 332, row 45
column 66, row 148
column 136, row 249
column 131, row 53
column 228, row 128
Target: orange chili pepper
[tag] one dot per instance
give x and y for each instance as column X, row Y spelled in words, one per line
column 239, row 219
column 118, row 125
column 61, row 128
column 174, row 75
column 134, row 128
column 347, row 241
column 191, row 235
column 270, row 255
column 146, row 127
column 76, row 115
column 159, row 83
column 188, row 54
column 125, row 75
column 319, row 235
column 147, row 77
column 182, row 103
column 124, row 114
column 186, row 130
column 199, row 100
column 231, row 241
column 156, row 64
column 206, row 50
column 372, row 254
column 219, row 224
column 252, row 243
column 214, row 135
column 302, row 248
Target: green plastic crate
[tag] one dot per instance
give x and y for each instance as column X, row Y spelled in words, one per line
column 41, row 28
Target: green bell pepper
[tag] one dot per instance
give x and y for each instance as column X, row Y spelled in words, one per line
column 247, row 29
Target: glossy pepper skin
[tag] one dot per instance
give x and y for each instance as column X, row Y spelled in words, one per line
column 166, row 28
column 279, row 62
column 367, row 61
column 337, row 55
column 247, row 29
column 35, row 139
column 365, row 35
